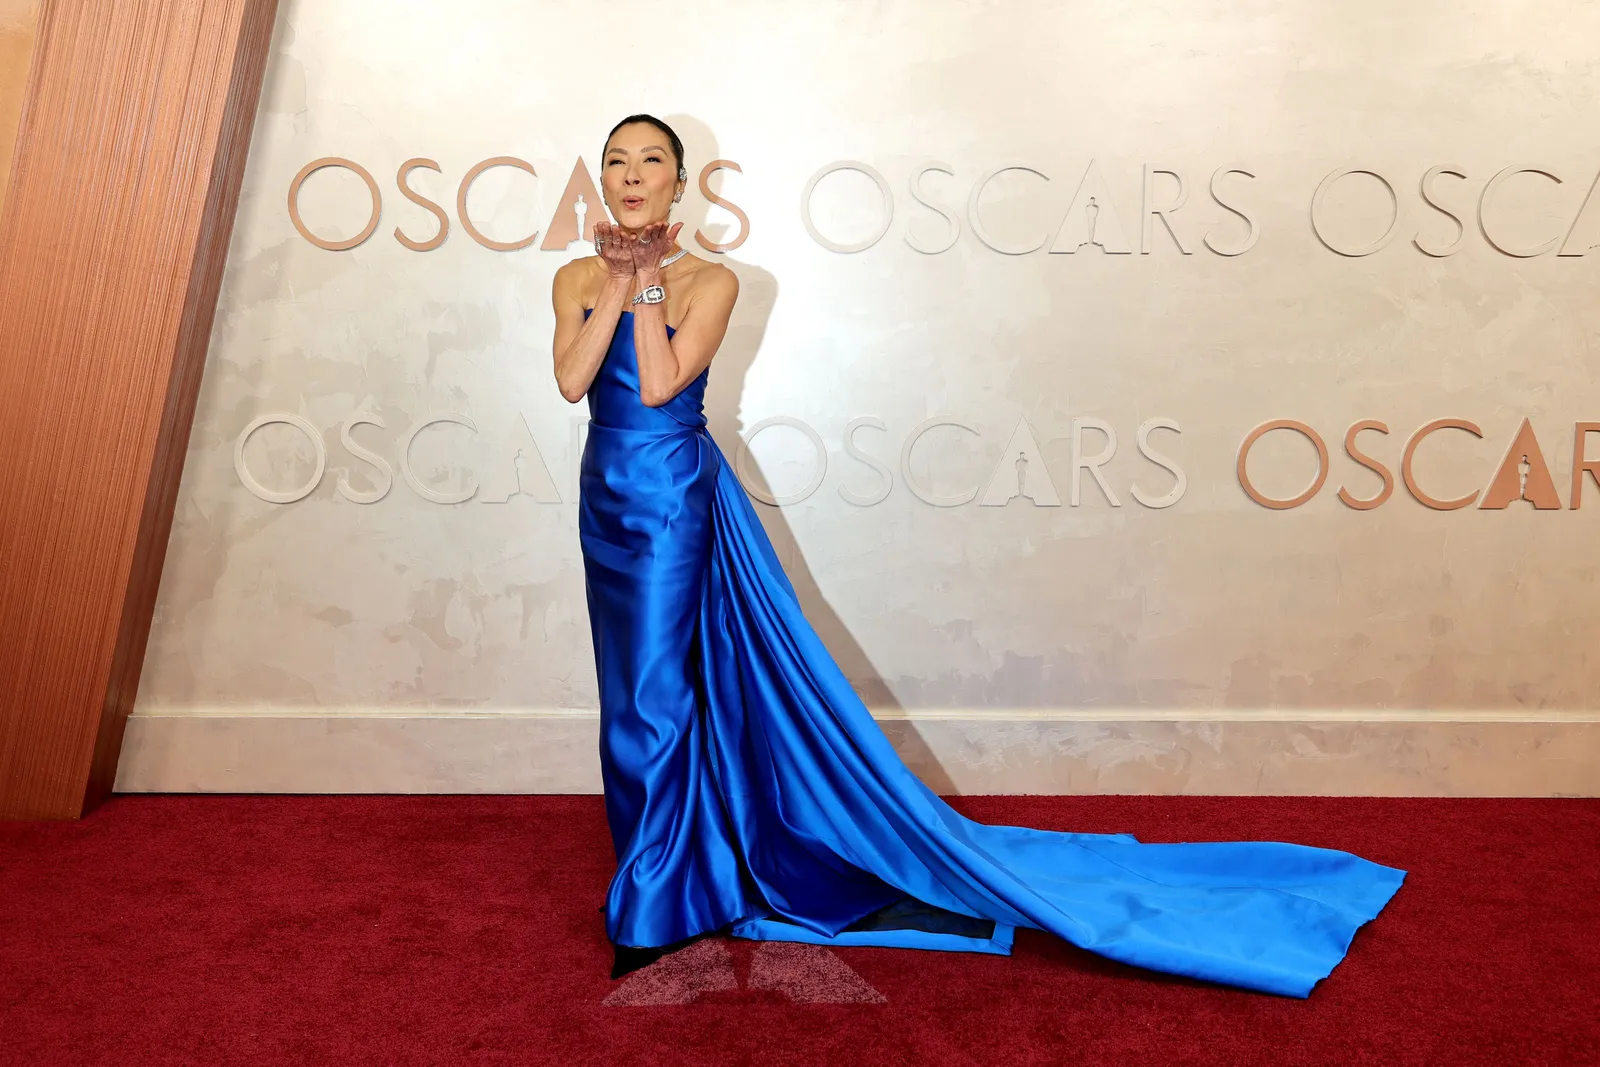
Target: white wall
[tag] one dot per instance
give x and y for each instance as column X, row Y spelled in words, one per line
column 1211, row 606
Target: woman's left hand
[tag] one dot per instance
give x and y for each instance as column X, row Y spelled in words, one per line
column 654, row 241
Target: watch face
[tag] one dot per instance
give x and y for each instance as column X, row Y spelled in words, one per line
column 654, row 294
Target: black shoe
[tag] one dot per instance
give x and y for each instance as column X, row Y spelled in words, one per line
column 626, row 959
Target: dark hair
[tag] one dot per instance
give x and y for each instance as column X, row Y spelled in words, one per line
column 672, row 139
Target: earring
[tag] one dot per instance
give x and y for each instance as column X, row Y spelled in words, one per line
column 677, row 198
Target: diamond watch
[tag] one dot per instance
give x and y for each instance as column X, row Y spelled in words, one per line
column 652, row 294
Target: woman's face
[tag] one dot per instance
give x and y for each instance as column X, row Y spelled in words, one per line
column 639, row 176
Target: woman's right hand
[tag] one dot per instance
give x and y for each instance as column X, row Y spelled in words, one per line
column 616, row 248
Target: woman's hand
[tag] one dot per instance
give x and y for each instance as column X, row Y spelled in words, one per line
column 617, row 249
column 651, row 247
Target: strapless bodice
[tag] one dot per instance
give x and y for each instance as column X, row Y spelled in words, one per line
column 614, row 393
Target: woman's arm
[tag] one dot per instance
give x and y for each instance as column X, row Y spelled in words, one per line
column 580, row 345
column 666, row 366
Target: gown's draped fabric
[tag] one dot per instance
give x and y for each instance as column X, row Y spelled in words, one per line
column 748, row 787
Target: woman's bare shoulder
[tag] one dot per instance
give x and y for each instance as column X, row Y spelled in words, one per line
column 579, row 279
column 710, row 277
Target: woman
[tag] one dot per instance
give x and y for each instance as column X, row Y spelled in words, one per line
column 747, row 788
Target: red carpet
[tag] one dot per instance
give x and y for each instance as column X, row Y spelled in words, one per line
column 234, row 931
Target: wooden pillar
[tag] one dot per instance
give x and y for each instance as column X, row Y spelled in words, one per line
column 18, row 20
column 113, row 234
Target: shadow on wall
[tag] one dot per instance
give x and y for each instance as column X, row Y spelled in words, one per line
column 758, row 293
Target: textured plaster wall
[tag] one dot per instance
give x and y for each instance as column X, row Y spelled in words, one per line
column 1212, row 602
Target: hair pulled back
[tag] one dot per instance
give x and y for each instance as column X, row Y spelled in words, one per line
column 672, row 139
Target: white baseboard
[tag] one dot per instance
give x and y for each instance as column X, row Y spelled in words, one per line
column 1323, row 753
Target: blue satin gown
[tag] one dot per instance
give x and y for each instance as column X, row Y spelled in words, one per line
column 748, row 788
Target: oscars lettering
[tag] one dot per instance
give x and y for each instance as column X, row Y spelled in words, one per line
column 510, row 463
column 1095, row 218
column 1522, row 474
column 571, row 223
